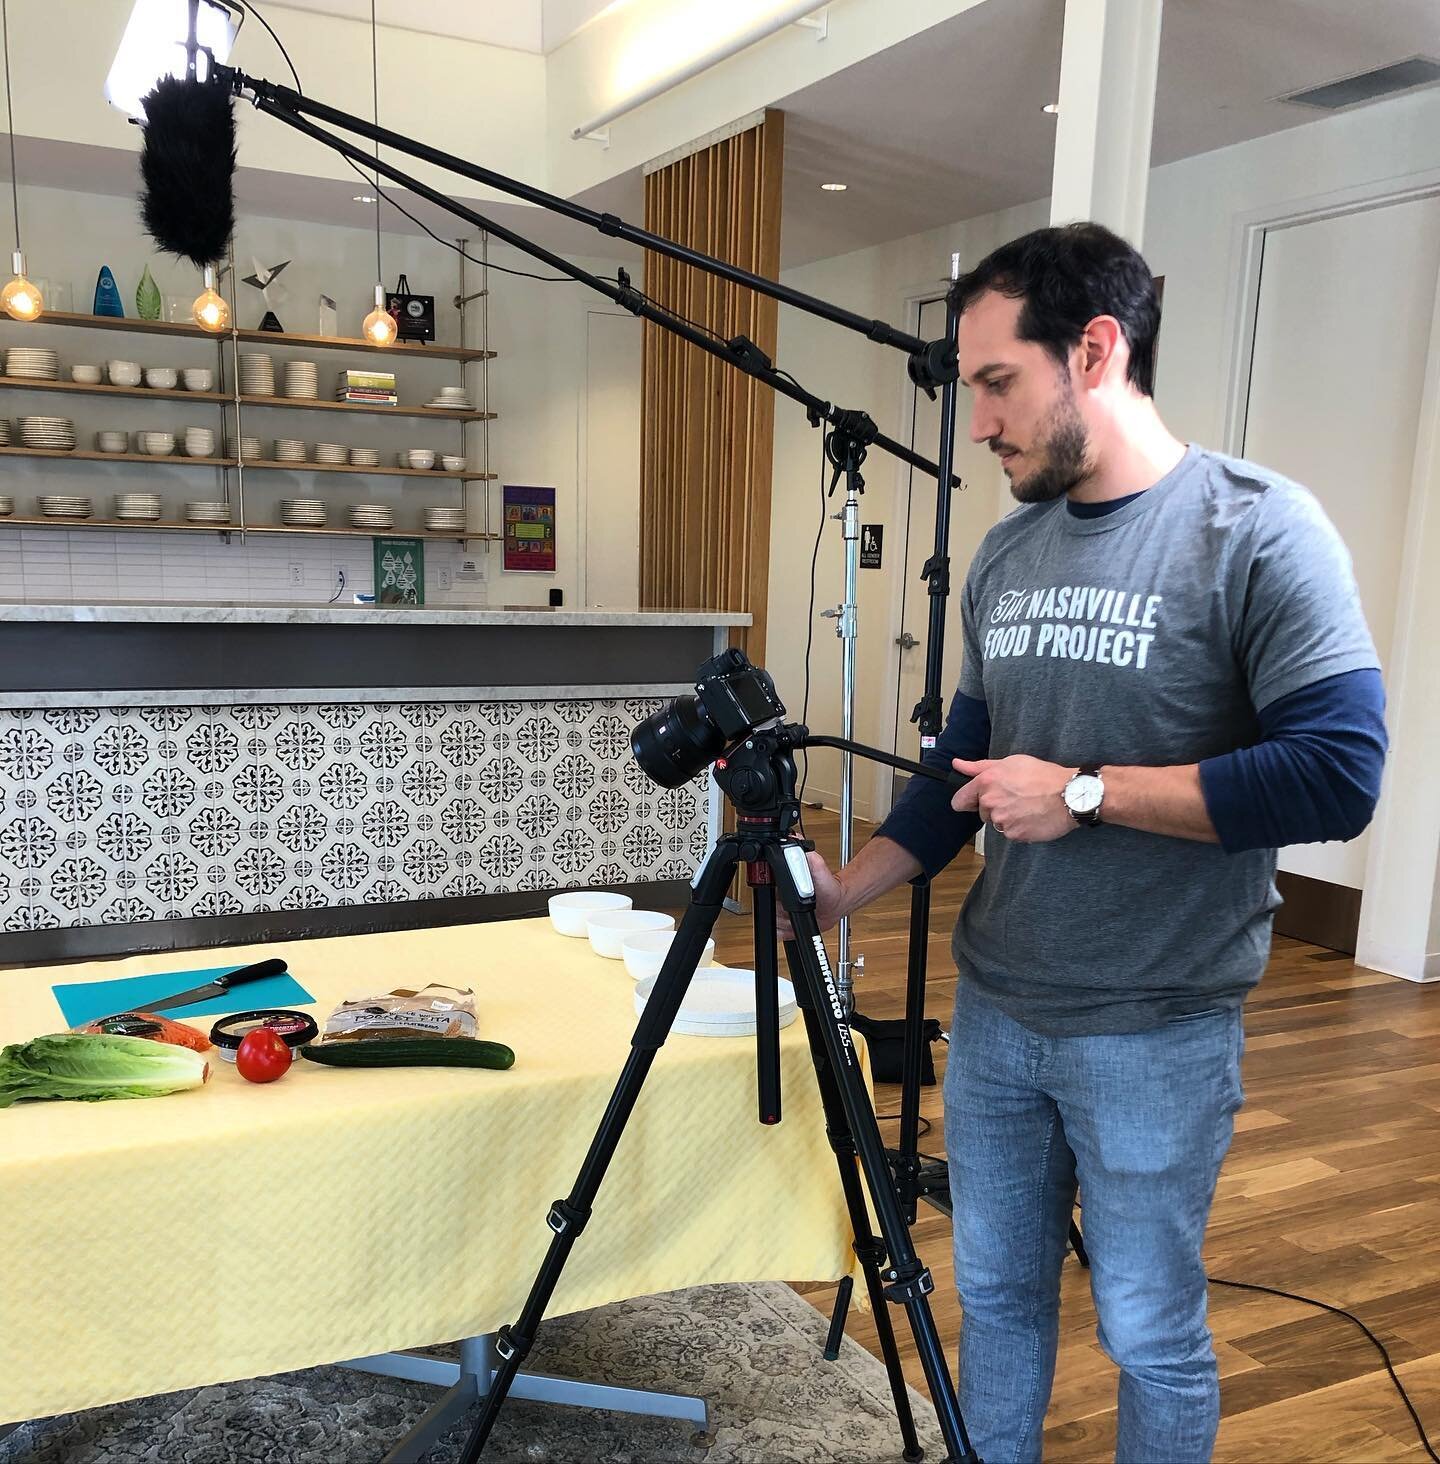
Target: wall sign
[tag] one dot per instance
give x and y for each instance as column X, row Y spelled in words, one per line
column 530, row 529
column 872, row 539
column 399, row 572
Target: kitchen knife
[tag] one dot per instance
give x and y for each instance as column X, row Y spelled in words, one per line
column 220, row 986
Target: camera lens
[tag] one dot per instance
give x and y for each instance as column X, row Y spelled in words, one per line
column 675, row 743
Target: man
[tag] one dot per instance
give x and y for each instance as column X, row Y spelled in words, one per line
column 1166, row 676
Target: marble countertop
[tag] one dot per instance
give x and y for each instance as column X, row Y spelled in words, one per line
column 161, row 612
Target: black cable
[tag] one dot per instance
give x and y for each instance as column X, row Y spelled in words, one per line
column 375, row 85
column 10, row 109
column 888, row 1117
column 1340, row 1311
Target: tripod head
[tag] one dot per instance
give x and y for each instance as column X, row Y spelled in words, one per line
column 758, row 775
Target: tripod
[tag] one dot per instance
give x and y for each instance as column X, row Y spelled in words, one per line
column 758, row 776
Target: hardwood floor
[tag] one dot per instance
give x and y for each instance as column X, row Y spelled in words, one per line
column 1331, row 1189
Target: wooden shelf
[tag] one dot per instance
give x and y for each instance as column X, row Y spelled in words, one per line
column 98, row 523
column 185, row 331
column 165, row 525
column 453, row 534
column 220, row 398
column 78, row 455
column 464, row 476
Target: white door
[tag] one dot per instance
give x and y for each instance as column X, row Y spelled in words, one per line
column 1341, row 335
column 610, row 461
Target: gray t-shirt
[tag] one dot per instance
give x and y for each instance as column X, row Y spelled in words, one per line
column 1148, row 636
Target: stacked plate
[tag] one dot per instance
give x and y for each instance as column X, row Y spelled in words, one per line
column 257, row 375
column 137, row 505
column 719, row 1002
column 36, row 362
column 63, row 505
column 445, row 518
column 4, row 432
column 7, row 505
column 302, row 379
column 303, row 512
column 208, row 512
column 331, row 452
column 457, row 398
column 55, row 433
column 372, row 516
column 289, row 450
column 364, row 457
column 250, row 449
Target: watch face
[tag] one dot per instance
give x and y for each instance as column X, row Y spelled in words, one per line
column 1083, row 793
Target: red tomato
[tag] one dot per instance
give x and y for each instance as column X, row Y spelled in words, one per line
column 262, row 1056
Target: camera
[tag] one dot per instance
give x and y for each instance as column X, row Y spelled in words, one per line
column 732, row 699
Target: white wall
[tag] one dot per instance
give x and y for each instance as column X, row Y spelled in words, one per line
column 1196, row 209
column 537, row 386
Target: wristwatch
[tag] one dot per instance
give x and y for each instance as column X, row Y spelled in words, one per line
column 1083, row 795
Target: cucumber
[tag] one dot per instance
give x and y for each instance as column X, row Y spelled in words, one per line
column 411, row 1052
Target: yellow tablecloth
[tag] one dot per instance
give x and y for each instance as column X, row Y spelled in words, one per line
column 240, row 1230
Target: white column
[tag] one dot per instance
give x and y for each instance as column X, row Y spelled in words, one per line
column 1109, row 59
column 1400, row 907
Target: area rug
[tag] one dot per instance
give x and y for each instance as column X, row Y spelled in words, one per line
column 754, row 1352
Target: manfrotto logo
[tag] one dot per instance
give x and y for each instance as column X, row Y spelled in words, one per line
column 836, row 1005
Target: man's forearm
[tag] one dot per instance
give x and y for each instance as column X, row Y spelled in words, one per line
column 1158, row 801
column 881, row 866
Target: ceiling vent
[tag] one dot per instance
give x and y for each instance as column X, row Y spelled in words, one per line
column 1368, row 86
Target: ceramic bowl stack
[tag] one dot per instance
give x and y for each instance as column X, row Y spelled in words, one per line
column 250, row 449
column 372, row 516
column 199, row 442
column 123, row 373
column 36, row 362
column 455, row 398
column 453, row 463
column 161, row 378
column 364, row 457
column 112, row 442
column 198, row 378
column 137, row 506
column 157, row 444
column 86, row 375
column 289, row 450
column 257, row 375
column 63, row 505
column 444, row 520
column 207, row 512
column 331, row 452
column 302, row 380
column 303, row 513
column 57, row 434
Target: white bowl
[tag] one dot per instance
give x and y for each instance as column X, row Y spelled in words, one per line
column 198, row 379
column 644, row 952
column 162, row 378
column 607, row 929
column 85, row 375
column 420, row 458
column 123, row 373
column 157, row 444
column 569, row 911
column 452, row 464
column 112, row 442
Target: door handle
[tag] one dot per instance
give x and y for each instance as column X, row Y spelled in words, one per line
column 906, row 641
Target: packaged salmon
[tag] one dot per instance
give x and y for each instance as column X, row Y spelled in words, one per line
column 151, row 1025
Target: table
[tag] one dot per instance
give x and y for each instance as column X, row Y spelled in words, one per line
column 239, row 1230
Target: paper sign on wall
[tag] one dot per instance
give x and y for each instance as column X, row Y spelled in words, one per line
column 530, row 529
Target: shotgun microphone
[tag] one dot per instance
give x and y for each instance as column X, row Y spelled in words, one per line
column 187, row 165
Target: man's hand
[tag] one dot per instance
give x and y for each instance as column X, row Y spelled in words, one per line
column 829, row 898
column 1019, row 797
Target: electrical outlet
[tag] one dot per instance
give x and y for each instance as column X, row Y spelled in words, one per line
column 297, row 574
column 444, row 577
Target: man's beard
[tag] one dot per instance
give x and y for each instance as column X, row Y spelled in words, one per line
column 1066, row 451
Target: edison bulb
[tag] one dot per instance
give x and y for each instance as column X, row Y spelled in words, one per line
column 211, row 311
column 379, row 327
column 20, row 299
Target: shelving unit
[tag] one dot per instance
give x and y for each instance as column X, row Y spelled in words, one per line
column 232, row 406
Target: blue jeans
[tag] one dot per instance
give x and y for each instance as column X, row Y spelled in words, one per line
column 1141, row 1122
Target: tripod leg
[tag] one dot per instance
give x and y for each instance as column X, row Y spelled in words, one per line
column 767, row 995
column 869, row 1250
column 909, row 1280
column 568, row 1217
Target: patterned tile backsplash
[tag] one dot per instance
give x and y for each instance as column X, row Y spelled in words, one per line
column 162, row 813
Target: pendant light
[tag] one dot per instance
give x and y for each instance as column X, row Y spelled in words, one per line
column 20, row 299
column 211, row 310
column 379, row 328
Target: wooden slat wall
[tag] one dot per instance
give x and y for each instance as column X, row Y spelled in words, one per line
column 708, row 431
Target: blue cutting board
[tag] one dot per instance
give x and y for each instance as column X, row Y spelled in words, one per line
column 83, row 1001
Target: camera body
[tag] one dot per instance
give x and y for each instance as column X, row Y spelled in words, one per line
column 732, row 698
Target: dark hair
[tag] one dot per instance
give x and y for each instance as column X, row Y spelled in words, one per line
column 1067, row 276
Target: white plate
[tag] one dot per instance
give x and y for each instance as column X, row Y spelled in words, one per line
column 720, row 1002
column 570, row 909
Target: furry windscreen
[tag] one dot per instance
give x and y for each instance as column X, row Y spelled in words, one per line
column 188, row 167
